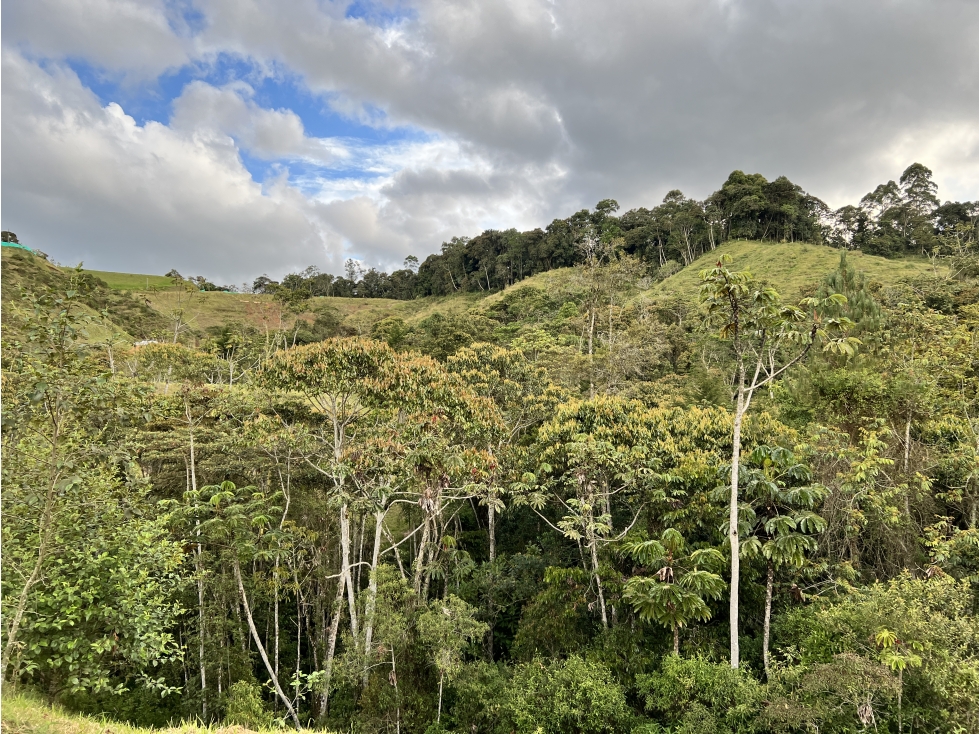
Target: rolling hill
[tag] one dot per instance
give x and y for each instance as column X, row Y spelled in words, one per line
column 141, row 305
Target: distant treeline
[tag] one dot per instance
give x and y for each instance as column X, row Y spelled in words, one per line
column 895, row 219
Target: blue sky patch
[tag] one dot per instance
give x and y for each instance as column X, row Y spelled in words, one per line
column 274, row 88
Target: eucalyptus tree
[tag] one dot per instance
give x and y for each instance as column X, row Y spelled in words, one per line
column 593, row 467
column 524, row 398
column 382, row 424
column 766, row 338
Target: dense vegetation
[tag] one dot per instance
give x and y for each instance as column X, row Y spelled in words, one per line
column 584, row 505
column 895, row 219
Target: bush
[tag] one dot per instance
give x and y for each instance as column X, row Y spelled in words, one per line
column 571, row 696
column 700, row 697
column 243, row 706
column 934, row 622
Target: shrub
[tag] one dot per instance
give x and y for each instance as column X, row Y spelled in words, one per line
column 570, row 696
column 243, row 706
column 700, row 697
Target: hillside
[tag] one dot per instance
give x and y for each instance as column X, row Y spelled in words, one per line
column 791, row 267
column 226, row 488
column 131, row 316
column 143, row 304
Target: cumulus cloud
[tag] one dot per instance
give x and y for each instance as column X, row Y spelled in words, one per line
column 267, row 134
column 518, row 111
column 636, row 98
column 138, row 39
column 86, row 181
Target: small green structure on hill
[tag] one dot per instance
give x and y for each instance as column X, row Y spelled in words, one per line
column 9, row 239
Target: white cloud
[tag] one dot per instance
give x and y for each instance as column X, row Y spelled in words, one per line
column 85, row 181
column 637, row 97
column 266, row 134
column 137, row 39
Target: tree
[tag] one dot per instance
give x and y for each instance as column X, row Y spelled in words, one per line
column 77, row 521
column 446, row 628
column 777, row 518
column 682, row 580
column 766, row 339
column 241, row 522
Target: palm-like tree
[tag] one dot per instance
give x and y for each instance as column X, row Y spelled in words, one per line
column 681, row 582
column 777, row 517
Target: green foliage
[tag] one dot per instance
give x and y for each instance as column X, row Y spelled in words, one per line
column 925, row 629
column 243, row 706
column 447, row 627
column 571, row 696
column 697, row 696
column 270, row 520
column 681, row 581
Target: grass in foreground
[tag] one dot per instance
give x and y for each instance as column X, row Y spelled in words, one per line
column 24, row 714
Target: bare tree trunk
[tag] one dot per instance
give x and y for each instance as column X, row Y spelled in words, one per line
column 489, row 642
column 360, row 550
column 438, row 717
column 200, row 615
column 275, row 614
column 492, row 526
column 372, row 595
column 733, row 523
column 676, row 641
column 397, row 553
column 907, row 443
column 769, row 586
column 299, row 631
column 345, row 568
column 331, row 647
column 397, row 700
column 420, row 557
column 591, row 351
column 593, row 546
column 261, row 647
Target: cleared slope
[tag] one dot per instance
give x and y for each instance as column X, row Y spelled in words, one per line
column 131, row 316
column 790, row 267
column 204, row 310
column 131, row 281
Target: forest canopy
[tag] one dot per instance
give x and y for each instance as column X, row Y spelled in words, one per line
column 897, row 219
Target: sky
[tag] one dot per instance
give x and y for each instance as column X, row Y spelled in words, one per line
column 232, row 138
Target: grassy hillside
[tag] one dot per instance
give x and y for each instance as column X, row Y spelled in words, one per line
column 789, row 267
column 131, row 316
column 204, row 310
column 131, row 281
column 24, row 714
